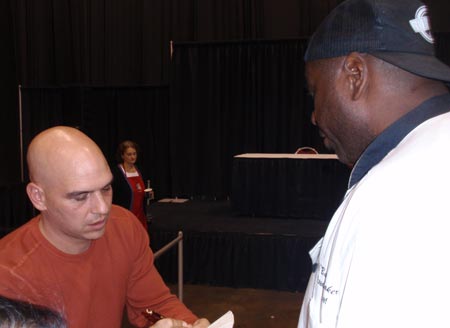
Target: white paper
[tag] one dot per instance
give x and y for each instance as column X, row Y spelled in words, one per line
column 225, row 321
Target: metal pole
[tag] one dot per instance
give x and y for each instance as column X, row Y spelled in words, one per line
column 22, row 178
column 180, row 266
column 164, row 249
column 168, row 246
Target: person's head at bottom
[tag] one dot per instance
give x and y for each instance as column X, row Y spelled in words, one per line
column 19, row 314
column 369, row 63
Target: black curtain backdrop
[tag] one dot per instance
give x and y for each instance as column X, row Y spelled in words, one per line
column 442, row 41
column 225, row 98
column 240, row 260
column 140, row 114
column 15, row 208
column 9, row 117
column 232, row 98
column 108, row 116
column 122, row 43
column 126, row 43
column 118, row 42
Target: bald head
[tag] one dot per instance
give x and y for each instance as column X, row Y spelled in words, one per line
column 61, row 150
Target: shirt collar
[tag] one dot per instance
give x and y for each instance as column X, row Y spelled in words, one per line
column 395, row 133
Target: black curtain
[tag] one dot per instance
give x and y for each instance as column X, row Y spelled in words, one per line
column 9, row 114
column 140, row 114
column 108, row 116
column 120, row 42
column 442, row 41
column 15, row 208
column 238, row 260
column 231, row 98
column 225, row 99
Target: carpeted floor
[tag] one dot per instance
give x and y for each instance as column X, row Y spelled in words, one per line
column 252, row 308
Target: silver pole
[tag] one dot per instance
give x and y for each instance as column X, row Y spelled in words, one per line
column 180, row 266
column 168, row 246
column 22, row 178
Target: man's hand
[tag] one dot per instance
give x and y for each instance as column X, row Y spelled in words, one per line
column 201, row 323
column 172, row 323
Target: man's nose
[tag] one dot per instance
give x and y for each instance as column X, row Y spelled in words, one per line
column 100, row 202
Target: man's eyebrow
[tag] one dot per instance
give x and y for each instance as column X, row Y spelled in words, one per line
column 74, row 194
column 80, row 192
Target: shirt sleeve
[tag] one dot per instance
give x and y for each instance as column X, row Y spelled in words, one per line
column 146, row 288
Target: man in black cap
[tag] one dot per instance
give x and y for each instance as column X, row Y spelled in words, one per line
column 381, row 103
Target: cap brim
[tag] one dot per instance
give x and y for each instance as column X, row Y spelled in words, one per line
column 422, row 65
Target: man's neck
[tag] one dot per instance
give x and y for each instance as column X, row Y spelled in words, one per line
column 69, row 247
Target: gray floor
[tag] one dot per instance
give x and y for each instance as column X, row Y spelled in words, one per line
column 251, row 307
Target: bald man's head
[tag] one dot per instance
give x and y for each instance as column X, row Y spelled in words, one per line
column 71, row 187
column 60, row 150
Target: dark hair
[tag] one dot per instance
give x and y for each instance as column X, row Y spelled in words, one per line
column 20, row 314
column 123, row 147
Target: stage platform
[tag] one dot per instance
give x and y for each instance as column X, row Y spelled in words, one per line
column 224, row 249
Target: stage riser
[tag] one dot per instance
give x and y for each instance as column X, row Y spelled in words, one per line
column 237, row 259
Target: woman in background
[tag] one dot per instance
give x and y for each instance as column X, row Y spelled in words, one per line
column 128, row 184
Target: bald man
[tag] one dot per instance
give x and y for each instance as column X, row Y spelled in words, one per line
column 82, row 255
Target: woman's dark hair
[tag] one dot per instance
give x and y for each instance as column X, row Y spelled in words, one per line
column 123, row 147
column 20, row 314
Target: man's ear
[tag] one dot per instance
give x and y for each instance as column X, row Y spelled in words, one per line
column 37, row 196
column 355, row 68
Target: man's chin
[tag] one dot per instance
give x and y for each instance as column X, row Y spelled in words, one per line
column 96, row 231
column 344, row 159
column 93, row 235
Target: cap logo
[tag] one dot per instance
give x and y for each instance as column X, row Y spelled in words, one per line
column 421, row 24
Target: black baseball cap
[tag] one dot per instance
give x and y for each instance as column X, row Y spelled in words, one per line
column 396, row 31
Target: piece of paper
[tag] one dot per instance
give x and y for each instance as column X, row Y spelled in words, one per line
column 165, row 200
column 173, row 200
column 225, row 321
column 179, row 200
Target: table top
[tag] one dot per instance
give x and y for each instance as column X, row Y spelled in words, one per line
column 294, row 156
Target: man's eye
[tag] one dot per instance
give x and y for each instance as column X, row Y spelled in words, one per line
column 80, row 197
column 107, row 189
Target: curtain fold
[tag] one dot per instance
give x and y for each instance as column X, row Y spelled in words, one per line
column 237, row 260
column 442, row 41
column 108, row 116
column 230, row 98
column 225, row 98
column 15, row 208
column 97, row 42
